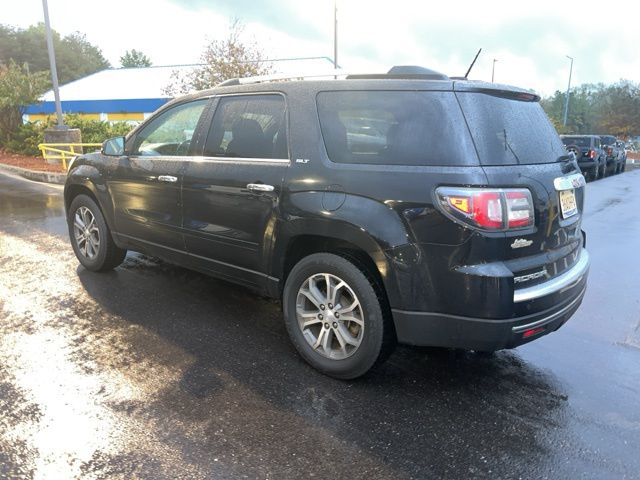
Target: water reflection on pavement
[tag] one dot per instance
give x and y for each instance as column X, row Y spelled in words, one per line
column 153, row 371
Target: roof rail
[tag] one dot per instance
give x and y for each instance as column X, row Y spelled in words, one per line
column 404, row 72
column 292, row 76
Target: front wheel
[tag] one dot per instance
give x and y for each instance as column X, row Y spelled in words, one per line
column 336, row 317
column 90, row 236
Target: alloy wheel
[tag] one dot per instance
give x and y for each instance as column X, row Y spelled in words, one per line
column 86, row 233
column 330, row 316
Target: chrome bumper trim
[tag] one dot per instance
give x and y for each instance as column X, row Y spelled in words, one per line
column 550, row 318
column 562, row 282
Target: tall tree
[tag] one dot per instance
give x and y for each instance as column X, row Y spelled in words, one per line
column 618, row 109
column 598, row 108
column 76, row 57
column 18, row 87
column 134, row 58
column 231, row 57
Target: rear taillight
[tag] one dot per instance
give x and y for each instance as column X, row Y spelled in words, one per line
column 610, row 151
column 592, row 154
column 488, row 208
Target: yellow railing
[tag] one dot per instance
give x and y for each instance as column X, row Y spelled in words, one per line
column 63, row 151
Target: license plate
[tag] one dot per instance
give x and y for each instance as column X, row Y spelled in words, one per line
column 568, row 204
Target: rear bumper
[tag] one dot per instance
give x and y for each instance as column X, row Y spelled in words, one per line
column 454, row 331
column 556, row 285
column 590, row 163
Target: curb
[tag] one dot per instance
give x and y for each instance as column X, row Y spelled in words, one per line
column 46, row 177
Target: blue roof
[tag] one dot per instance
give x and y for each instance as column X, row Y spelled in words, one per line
column 99, row 106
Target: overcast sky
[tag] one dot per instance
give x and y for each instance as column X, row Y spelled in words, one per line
column 529, row 39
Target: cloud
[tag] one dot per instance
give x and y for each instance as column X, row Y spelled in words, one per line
column 281, row 15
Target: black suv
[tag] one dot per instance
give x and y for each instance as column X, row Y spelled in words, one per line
column 404, row 207
column 591, row 156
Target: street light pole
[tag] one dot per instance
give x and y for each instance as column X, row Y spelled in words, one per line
column 566, row 100
column 493, row 69
column 335, row 34
column 52, row 65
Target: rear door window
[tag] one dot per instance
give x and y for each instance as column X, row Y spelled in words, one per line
column 394, row 128
column 249, row 126
column 507, row 131
column 577, row 141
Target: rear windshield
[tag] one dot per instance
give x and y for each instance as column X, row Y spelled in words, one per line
column 608, row 140
column 394, row 128
column 577, row 141
column 508, row 131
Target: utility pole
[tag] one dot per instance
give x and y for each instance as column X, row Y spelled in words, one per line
column 335, row 34
column 493, row 69
column 52, row 66
column 566, row 100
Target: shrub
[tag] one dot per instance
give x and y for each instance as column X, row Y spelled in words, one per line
column 25, row 138
column 97, row 131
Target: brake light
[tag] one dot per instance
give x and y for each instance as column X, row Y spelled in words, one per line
column 610, row 151
column 592, row 154
column 488, row 208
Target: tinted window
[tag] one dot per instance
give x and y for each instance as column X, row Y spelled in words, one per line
column 170, row 133
column 577, row 141
column 394, row 128
column 508, row 131
column 251, row 126
column 608, row 140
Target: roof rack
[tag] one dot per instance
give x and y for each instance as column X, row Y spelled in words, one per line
column 398, row 72
column 283, row 76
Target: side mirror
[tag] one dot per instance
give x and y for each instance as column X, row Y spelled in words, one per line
column 113, row 147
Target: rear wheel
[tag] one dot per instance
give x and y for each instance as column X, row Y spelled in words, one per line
column 335, row 316
column 90, row 236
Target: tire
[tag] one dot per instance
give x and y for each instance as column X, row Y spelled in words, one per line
column 97, row 251
column 335, row 353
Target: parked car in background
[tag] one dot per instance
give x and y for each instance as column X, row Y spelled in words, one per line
column 588, row 150
column 623, row 155
column 614, row 154
column 403, row 207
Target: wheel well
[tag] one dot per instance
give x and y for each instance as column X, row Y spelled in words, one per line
column 72, row 191
column 305, row 245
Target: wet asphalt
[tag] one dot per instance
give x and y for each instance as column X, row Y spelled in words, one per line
column 153, row 371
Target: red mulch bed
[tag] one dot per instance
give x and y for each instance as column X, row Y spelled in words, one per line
column 31, row 163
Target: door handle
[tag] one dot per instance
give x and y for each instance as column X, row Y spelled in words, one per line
column 167, row 178
column 260, row 187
